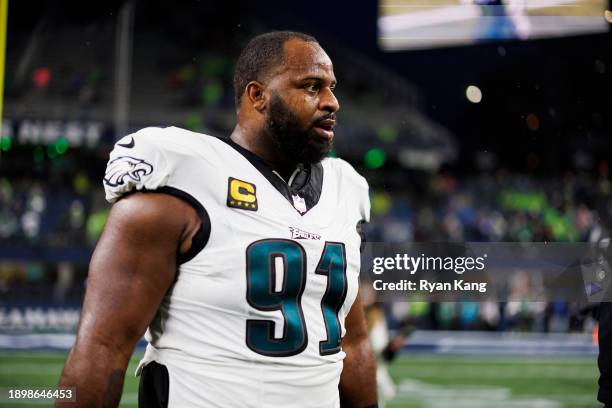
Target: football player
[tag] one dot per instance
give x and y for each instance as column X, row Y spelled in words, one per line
column 604, row 360
column 239, row 257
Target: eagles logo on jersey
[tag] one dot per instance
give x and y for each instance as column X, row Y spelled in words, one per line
column 125, row 166
column 256, row 315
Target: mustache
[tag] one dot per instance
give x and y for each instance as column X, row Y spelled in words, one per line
column 329, row 116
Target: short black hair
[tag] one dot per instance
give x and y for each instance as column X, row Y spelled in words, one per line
column 260, row 55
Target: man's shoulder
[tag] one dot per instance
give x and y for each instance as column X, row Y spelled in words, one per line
column 166, row 147
column 167, row 138
column 345, row 171
column 152, row 157
column 353, row 185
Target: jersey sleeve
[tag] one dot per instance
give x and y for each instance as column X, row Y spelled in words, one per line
column 357, row 188
column 137, row 162
column 364, row 202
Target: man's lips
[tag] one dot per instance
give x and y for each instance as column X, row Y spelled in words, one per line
column 325, row 128
column 325, row 134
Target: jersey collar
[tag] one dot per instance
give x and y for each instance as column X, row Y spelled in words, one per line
column 305, row 182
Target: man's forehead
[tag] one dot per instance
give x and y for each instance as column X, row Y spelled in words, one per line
column 301, row 57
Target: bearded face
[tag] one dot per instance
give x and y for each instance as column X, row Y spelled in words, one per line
column 298, row 143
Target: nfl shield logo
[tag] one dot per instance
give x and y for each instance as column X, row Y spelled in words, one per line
column 299, row 203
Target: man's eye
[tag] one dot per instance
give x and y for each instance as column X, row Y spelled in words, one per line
column 312, row 87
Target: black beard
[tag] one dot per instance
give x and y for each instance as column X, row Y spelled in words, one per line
column 294, row 143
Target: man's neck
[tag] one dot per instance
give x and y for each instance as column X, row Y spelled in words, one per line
column 263, row 147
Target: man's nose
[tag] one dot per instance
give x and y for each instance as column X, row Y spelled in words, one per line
column 329, row 102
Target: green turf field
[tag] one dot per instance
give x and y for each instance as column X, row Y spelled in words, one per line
column 489, row 382
column 424, row 381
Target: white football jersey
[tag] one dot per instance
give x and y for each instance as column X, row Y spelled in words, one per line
column 256, row 315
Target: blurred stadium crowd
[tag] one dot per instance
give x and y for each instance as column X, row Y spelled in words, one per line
column 62, row 221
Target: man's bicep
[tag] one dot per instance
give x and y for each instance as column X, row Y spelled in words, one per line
column 132, row 268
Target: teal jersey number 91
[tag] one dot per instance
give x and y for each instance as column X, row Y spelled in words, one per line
column 261, row 277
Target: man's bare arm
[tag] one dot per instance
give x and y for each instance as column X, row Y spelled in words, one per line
column 131, row 270
column 358, row 379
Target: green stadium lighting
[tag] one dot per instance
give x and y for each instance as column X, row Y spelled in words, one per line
column 5, row 143
column 61, row 146
column 51, row 153
column 387, row 133
column 374, row 158
column 38, row 154
column 193, row 121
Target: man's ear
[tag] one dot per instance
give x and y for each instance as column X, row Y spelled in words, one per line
column 256, row 95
